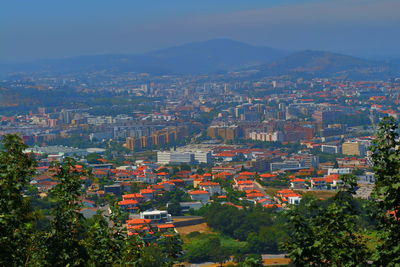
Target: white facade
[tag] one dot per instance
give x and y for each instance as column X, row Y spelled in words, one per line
column 200, row 197
column 170, row 157
column 268, row 137
column 339, row 171
column 188, row 157
column 156, row 216
column 294, row 200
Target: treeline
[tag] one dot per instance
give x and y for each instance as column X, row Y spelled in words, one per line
column 68, row 239
column 343, row 231
column 262, row 229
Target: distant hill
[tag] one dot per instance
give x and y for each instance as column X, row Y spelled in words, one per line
column 319, row 63
column 193, row 58
column 220, row 55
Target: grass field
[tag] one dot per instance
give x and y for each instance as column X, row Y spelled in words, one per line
column 202, row 228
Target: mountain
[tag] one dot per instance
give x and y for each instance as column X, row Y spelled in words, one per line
column 320, row 63
column 215, row 55
column 193, row 58
column 220, row 55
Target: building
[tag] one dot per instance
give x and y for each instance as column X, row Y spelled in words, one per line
column 331, row 149
column 211, row 187
column 224, row 132
column 266, row 136
column 174, row 157
column 200, row 195
column 202, row 157
column 339, row 171
column 156, row 216
column 354, row 148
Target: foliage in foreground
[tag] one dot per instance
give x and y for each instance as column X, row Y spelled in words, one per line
column 332, row 233
column 69, row 239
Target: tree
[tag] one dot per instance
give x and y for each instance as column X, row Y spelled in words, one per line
column 65, row 247
column 386, row 159
column 252, row 261
column 171, row 246
column 220, row 254
column 16, row 169
column 103, row 243
column 174, row 209
column 93, row 158
column 326, row 232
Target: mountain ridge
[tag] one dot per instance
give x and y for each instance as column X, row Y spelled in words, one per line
column 215, row 56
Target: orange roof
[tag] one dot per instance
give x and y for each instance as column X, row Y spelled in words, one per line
column 285, row 191
column 128, row 196
column 247, row 173
column 207, row 174
column 165, row 226
column 138, row 221
column 252, row 191
column 251, row 195
column 128, row 202
column 268, row 175
column 298, row 180
column 245, row 182
column 147, row 191
column 163, row 173
column 272, row 206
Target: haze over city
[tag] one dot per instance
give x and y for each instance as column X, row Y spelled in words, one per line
column 56, row 29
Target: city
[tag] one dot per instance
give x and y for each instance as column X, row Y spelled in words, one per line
column 186, row 157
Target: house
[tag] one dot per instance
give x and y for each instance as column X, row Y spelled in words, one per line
column 268, row 176
column 318, row 183
column 129, row 205
column 138, row 226
column 163, row 175
column 224, row 176
column 147, row 193
column 265, row 201
column 248, row 175
column 298, row 183
column 135, row 196
column 294, row 199
column 211, row 187
column 254, row 196
column 244, row 185
column 200, row 195
column 156, row 216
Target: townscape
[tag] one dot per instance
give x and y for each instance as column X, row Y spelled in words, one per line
column 163, row 148
column 200, row 133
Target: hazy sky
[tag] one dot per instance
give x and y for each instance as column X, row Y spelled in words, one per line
column 34, row 29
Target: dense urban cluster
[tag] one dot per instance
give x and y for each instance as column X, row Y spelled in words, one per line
column 174, row 152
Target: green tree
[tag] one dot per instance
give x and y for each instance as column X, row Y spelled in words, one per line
column 386, row 159
column 103, row 243
column 16, row 169
column 67, row 228
column 174, row 209
column 327, row 233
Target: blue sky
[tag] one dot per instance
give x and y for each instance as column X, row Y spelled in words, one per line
column 34, row 29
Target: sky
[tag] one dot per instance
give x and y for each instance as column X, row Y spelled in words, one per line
column 40, row 29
